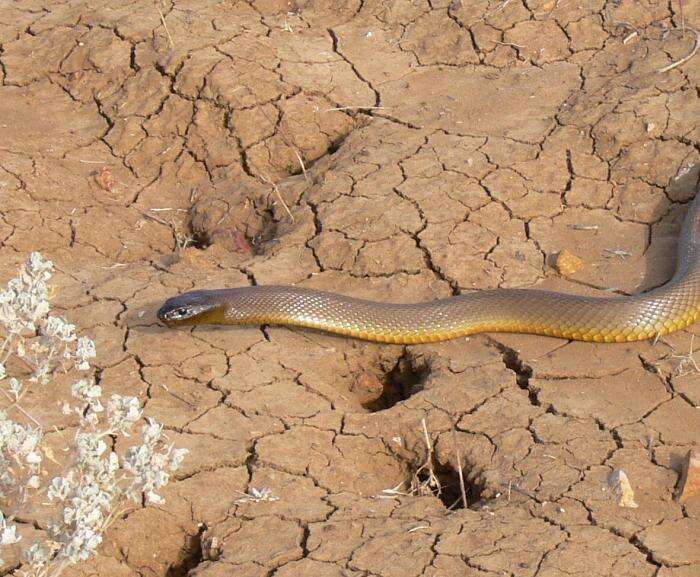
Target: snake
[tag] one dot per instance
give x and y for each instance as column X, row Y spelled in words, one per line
column 610, row 318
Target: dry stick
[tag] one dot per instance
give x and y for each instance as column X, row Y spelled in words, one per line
column 686, row 58
column 680, row 5
column 629, row 37
column 162, row 19
column 511, row 44
column 688, row 359
column 157, row 219
column 284, row 204
column 621, row 253
column 355, row 108
column 459, row 468
column 432, row 479
column 301, row 161
column 21, row 410
column 279, row 196
column 171, row 225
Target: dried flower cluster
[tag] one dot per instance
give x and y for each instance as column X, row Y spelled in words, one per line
column 95, row 483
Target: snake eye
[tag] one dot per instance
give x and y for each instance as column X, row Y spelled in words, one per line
column 179, row 313
column 167, row 314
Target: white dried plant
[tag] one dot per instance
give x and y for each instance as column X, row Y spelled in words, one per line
column 96, row 483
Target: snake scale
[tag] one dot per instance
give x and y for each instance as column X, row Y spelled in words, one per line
column 646, row 315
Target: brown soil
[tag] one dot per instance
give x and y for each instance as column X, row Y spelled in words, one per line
column 398, row 150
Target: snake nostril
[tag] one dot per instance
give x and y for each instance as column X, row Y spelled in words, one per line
column 162, row 313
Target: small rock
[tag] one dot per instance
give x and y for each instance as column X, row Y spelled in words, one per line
column 620, row 484
column 690, row 477
column 567, row 263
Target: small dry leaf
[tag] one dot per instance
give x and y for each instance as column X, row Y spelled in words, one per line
column 567, row 263
column 620, row 484
column 690, row 477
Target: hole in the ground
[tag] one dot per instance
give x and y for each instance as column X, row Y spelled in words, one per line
column 443, row 481
column 190, row 556
column 243, row 221
column 406, row 377
column 198, row 239
column 267, row 231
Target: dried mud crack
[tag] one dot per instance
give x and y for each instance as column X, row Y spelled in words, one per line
column 399, row 151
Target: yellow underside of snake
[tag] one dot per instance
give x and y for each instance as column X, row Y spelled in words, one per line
column 603, row 319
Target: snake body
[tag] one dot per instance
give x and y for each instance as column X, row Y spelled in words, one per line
column 665, row 309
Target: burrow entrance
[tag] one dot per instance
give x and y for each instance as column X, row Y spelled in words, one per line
column 443, row 481
column 407, row 377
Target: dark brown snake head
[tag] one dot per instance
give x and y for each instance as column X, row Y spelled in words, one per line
column 190, row 308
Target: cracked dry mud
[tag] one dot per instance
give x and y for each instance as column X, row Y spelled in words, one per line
column 150, row 148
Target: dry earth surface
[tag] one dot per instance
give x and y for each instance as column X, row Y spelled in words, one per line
column 150, row 148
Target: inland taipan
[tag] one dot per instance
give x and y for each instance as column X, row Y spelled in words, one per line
column 646, row 315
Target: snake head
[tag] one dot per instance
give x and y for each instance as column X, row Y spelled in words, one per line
column 190, row 308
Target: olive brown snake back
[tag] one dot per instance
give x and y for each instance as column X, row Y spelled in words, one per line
column 665, row 309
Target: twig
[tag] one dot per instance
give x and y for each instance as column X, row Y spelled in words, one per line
column 256, row 495
column 356, row 108
column 629, row 37
column 279, row 196
column 462, row 488
column 511, row 44
column 162, row 19
column 158, row 220
column 497, row 9
column 392, row 493
column 21, row 410
column 680, row 5
column 301, row 161
column 621, row 253
column 515, row 488
column 433, row 480
column 686, row 58
column 688, row 359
